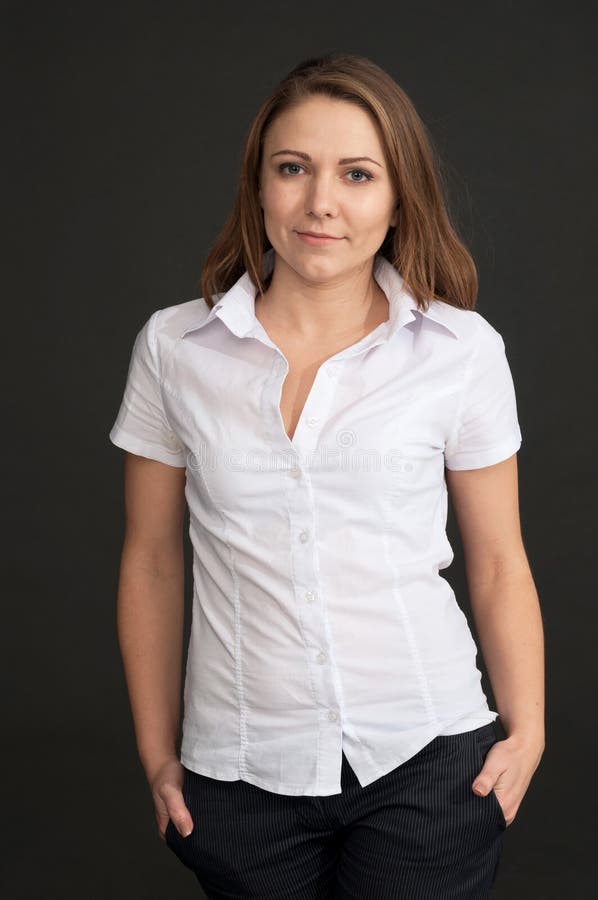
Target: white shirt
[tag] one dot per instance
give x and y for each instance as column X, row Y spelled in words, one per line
column 320, row 618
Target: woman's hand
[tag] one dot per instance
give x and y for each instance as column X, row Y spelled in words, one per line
column 508, row 769
column 166, row 787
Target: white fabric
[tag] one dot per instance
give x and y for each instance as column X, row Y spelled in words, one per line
column 320, row 618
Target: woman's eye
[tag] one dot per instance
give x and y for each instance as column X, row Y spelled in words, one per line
column 283, row 167
column 367, row 175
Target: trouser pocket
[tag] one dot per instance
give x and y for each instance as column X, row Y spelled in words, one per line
column 169, row 834
column 179, row 845
column 485, row 738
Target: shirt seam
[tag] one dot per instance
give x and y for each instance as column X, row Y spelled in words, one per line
column 238, row 665
column 452, row 441
column 154, row 349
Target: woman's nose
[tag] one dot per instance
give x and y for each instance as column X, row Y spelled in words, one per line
column 321, row 196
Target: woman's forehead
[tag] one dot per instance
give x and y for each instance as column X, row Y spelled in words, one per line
column 316, row 126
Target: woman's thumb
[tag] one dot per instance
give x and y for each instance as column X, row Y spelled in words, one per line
column 181, row 818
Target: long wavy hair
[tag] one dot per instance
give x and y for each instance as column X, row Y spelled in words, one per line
column 424, row 245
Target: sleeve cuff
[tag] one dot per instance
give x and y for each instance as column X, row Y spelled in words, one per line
column 477, row 459
column 131, row 443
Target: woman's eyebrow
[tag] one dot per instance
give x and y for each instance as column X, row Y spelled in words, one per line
column 341, row 162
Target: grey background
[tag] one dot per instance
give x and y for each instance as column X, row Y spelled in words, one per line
column 123, row 128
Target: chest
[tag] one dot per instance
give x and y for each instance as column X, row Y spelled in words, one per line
column 305, row 358
column 303, row 365
column 368, row 423
column 304, row 361
column 296, row 388
column 269, row 434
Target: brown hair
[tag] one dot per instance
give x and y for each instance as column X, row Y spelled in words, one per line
column 424, row 246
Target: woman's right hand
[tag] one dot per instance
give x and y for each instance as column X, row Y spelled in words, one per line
column 166, row 787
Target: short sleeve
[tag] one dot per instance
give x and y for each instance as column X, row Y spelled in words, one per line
column 141, row 426
column 487, row 428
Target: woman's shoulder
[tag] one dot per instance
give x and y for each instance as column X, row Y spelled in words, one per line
column 162, row 329
column 468, row 325
column 172, row 321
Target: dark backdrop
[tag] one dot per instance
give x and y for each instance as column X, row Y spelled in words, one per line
column 123, row 128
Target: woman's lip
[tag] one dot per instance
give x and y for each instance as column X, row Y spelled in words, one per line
column 315, row 240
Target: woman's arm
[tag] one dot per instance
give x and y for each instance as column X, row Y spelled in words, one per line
column 150, row 605
column 508, row 620
column 503, row 597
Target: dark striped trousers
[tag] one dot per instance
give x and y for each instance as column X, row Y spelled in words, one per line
column 417, row 833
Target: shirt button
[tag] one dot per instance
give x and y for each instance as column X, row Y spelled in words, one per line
column 313, row 420
column 309, row 596
column 332, row 715
column 322, row 658
column 304, row 536
column 295, row 472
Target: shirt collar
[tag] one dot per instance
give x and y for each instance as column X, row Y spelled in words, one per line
column 236, row 307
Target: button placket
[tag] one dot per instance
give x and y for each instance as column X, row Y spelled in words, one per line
column 317, row 406
column 311, row 613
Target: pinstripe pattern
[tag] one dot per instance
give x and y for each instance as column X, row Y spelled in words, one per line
column 417, row 833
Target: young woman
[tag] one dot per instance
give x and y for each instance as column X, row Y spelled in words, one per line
column 313, row 411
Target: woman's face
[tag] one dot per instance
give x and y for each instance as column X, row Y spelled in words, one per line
column 308, row 188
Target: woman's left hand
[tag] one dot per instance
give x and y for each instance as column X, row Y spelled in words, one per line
column 508, row 769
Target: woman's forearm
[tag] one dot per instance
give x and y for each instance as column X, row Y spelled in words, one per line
column 508, row 620
column 150, row 614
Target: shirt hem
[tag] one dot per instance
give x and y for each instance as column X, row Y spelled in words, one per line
column 220, row 774
column 464, row 725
